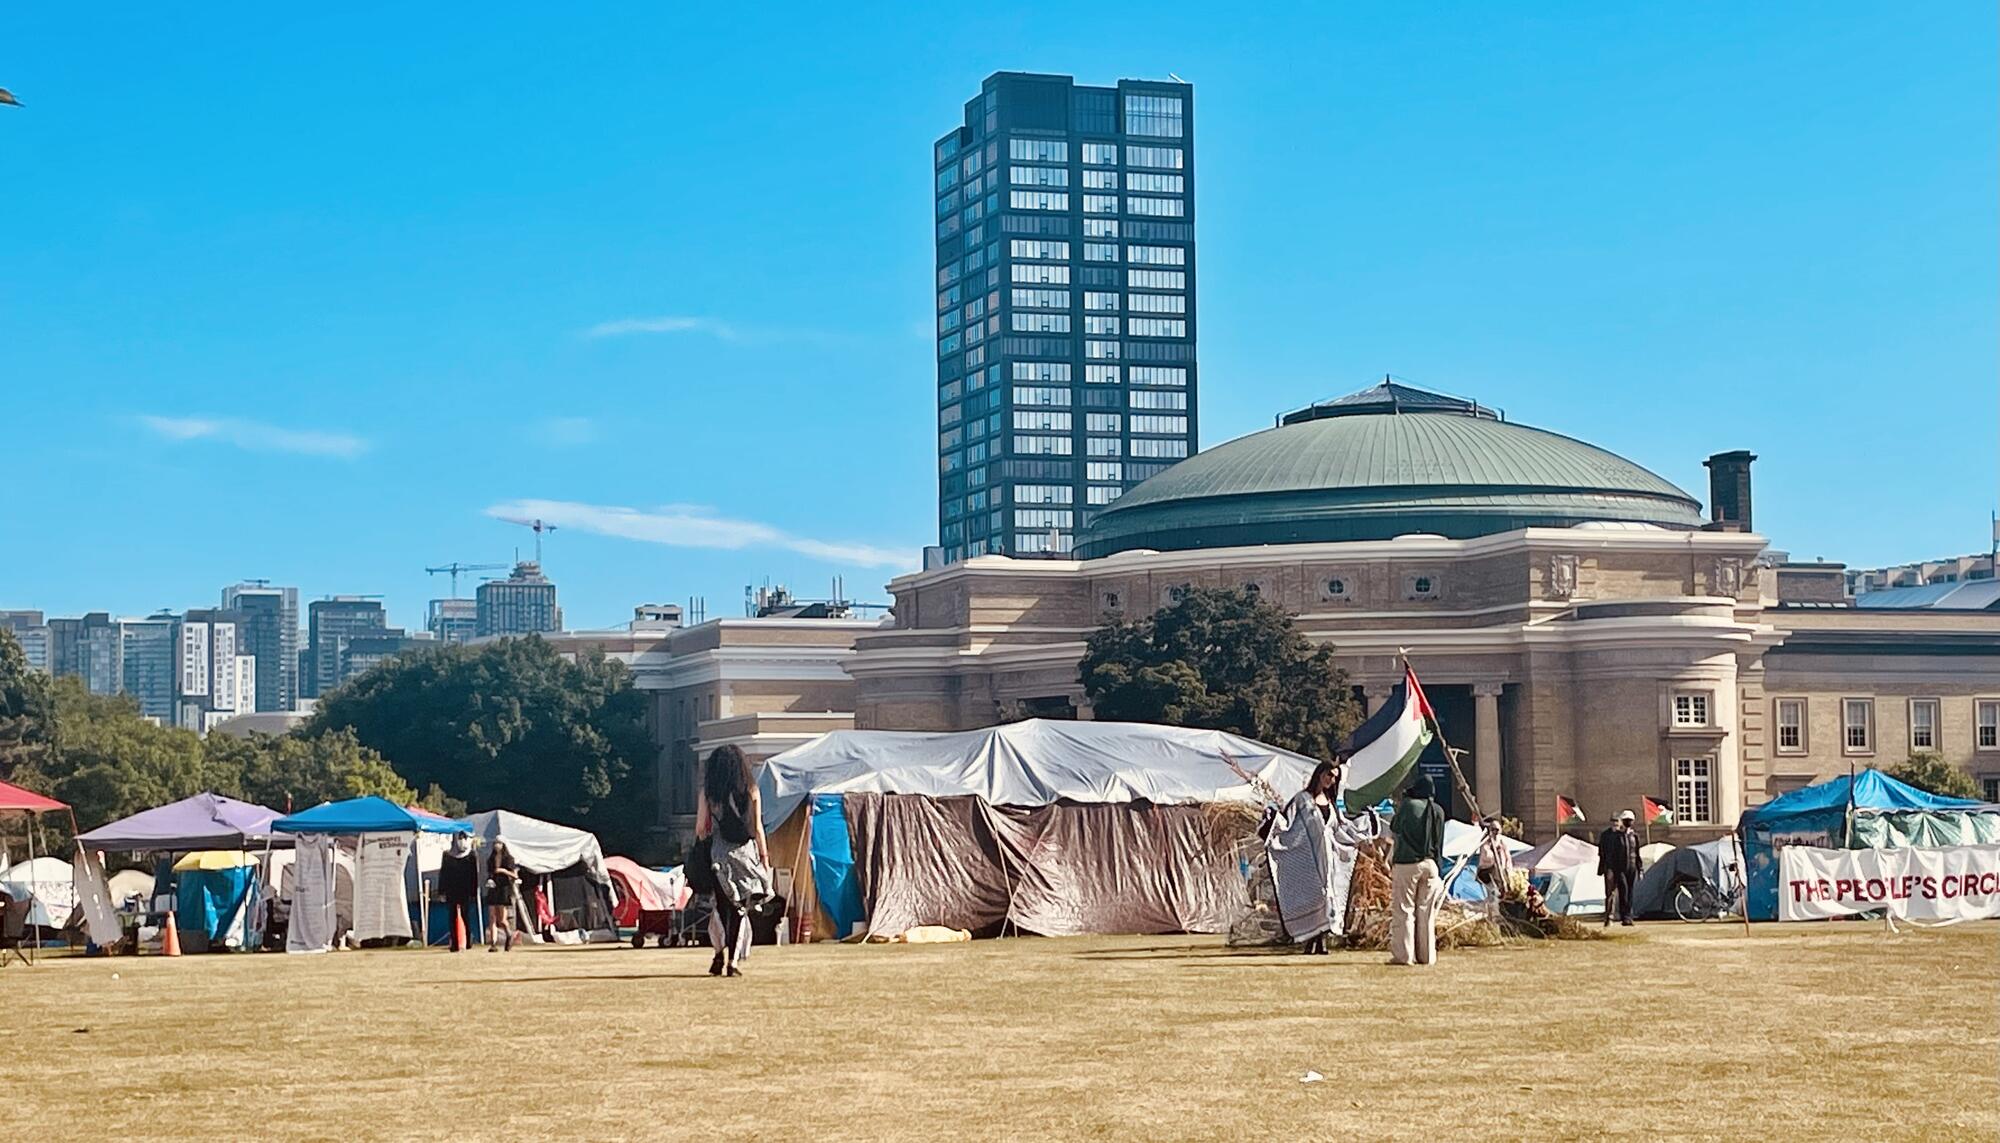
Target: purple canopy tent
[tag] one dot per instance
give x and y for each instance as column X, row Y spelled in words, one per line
column 204, row 821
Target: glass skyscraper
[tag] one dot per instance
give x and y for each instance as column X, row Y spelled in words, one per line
column 1065, row 301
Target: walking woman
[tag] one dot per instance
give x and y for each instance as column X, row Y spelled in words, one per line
column 1312, row 849
column 1418, row 828
column 503, row 877
column 731, row 817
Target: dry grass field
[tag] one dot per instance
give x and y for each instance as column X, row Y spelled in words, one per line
column 1675, row 1031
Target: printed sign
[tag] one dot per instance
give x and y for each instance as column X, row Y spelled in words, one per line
column 1928, row 885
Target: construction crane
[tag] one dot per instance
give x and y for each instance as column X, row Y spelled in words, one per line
column 535, row 526
column 454, row 569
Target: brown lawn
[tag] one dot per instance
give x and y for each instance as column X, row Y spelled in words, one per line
column 1675, row 1031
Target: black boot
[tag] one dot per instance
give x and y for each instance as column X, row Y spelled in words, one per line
column 715, row 966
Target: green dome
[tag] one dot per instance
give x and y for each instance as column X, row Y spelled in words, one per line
column 1381, row 463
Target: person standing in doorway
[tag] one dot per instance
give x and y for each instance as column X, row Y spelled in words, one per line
column 1618, row 862
column 503, row 878
column 731, row 816
column 1418, row 830
column 458, row 884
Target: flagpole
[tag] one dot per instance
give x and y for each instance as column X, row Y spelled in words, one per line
column 1450, row 755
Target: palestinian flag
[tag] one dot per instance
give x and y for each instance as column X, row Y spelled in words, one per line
column 1383, row 751
column 1568, row 811
column 1655, row 813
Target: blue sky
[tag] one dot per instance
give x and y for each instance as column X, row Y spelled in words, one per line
column 310, row 296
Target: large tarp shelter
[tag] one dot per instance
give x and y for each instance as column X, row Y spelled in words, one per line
column 1869, row 810
column 200, row 822
column 1051, row 827
column 1712, row 863
column 567, row 864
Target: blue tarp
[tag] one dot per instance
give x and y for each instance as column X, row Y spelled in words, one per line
column 1888, row 813
column 211, row 902
column 366, row 815
column 832, row 850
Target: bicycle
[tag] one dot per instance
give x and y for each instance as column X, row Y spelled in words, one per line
column 1698, row 901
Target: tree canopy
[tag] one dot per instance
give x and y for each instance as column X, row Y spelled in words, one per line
column 1927, row 770
column 509, row 723
column 27, row 710
column 1224, row 660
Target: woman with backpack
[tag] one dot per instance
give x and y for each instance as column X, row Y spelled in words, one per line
column 729, row 826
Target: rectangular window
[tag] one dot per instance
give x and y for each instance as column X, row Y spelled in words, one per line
column 1042, row 517
column 1101, row 350
column 1038, row 176
column 1094, row 300
column 1923, row 724
column 1101, row 326
column 1103, row 446
column 1100, row 228
column 1790, row 715
column 1041, row 323
column 1040, row 395
column 1694, row 790
column 1157, row 327
column 1041, row 371
column 1155, row 207
column 1155, row 399
column 1100, row 252
column 1156, row 115
column 1043, row 494
column 1100, row 154
column 1036, row 542
column 1034, row 273
column 1098, row 494
column 1032, row 299
column 1099, row 204
column 1159, row 303
column 1037, row 200
column 1153, row 184
column 1148, row 423
column 1989, row 786
column 1691, row 708
column 1103, row 470
column 1156, row 279
column 1857, row 719
column 1100, row 180
column 1042, row 446
column 1159, row 375
column 1038, row 150
column 1173, row 450
column 1169, row 158
column 1986, row 726
column 1039, row 248
column 1156, row 255
column 1103, row 422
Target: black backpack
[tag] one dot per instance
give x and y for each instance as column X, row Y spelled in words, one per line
column 700, row 868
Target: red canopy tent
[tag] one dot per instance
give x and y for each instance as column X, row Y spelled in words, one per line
column 14, row 799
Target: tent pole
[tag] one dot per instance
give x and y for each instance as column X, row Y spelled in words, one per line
column 34, row 893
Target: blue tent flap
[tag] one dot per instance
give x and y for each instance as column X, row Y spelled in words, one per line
column 211, row 901
column 832, row 851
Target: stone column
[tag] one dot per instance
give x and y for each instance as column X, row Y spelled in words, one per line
column 1486, row 746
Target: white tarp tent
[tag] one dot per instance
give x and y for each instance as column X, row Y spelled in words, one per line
column 1574, row 885
column 542, row 847
column 1561, row 853
column 1461, row 839
column 51, row 882
column 1033, row 763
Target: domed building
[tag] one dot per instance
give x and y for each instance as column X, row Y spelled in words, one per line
column 1581, row 627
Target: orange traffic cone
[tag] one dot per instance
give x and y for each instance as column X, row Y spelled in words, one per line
column 457, row 929
column 170, row 944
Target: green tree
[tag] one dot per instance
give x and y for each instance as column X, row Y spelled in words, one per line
column 1927, row 770
column 513, row 724
column 1224, row 660
column 28, row 729
column 283, row 771
column 113, row 762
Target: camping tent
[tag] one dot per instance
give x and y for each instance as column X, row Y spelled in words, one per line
column 214, row 893
column 200, row 822
column 636, row 888
column 1053, row 827
column 1566, row 872
column 50, row 882
column 1650, row 854
column 1461, row 841
column 1712, row 863
column 1886, row 814
column 567, row 865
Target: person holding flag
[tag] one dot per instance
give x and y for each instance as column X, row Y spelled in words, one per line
column 1618, row 862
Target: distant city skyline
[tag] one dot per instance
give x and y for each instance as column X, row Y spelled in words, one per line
column 331, row 333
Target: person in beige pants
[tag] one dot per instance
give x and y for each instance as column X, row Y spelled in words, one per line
column 1418, row 830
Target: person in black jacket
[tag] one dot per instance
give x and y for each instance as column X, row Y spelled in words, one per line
column 458, row 884
column 1618, row 862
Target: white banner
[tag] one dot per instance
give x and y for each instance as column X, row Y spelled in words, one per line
column 1927, row 885
column 381, row 905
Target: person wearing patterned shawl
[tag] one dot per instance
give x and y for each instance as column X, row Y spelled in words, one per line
column 1313, row 847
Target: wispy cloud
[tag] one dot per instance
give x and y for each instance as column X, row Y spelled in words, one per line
column 669, row 323
column 566, row 432
column 255, row 436
column 695, row 526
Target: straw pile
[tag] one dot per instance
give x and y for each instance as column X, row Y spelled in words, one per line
column 1459, row 926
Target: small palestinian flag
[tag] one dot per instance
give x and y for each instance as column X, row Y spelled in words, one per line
column 1568, row 811
column 1655, row 813
column 1383, row 751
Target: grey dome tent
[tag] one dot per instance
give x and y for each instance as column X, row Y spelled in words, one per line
column 1712, row 863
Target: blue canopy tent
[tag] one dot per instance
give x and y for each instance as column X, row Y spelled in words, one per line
column 354, row 818
column 1869, row 810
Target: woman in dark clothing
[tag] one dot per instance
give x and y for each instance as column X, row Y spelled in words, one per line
column 1418, row 828
column 503, row 876
column 458, row 884
column 731, row 817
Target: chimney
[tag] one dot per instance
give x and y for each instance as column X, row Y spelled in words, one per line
column 1729, row 490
